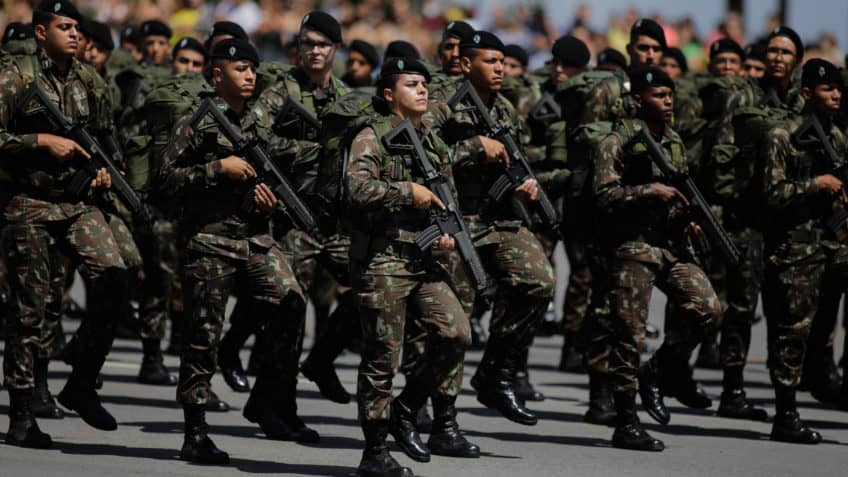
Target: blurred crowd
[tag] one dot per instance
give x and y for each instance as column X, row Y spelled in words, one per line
column 272, row 23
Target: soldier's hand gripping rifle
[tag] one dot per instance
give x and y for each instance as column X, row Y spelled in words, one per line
column 837, row 223
column 267, row 171
column 707, row 220
column 518, row 169
column 81, row 182
column 403, row 139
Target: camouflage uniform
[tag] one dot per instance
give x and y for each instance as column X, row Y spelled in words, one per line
column 394, row 282
column 646, row 249
column 225, row 250
column 41, row 217
column 511, row 254
column 802, row 256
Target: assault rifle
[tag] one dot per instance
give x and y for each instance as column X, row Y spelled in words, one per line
column 80, row 184
column 267, row 171
column 518, row 169
column 712, row 227
column 298, row 109
column 403, row 139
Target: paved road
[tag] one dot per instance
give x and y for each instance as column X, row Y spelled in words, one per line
column 699, row 444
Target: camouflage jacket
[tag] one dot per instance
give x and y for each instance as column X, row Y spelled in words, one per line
column 212, row 219
column 39, row 179
column 298, row 147
column 795, row 202
column 624, row 172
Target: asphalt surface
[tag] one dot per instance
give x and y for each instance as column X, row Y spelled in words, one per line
column 698, row 443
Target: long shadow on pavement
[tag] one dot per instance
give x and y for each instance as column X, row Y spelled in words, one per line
column 686, row 430
column 547, row 439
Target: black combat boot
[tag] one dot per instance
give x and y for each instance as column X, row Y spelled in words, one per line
column 423, row 421
column 228, row 360
column 23, row 430
column 79, row 395
column 42, row 404
column 677, row 380
column 153, row 370
column 601, row 408
column 215, row 404
column 495, row 390
column 287, row 410
column 821, row 376
column 733, row 402
column 629, row 433
column 446, row 439
column 649, row 390
column 260, row 409
column 197, row 446
column 324, row 375
column 523, row 388
column 402, row 424
column 787, row 425
column 571, row 359
column 376, row 460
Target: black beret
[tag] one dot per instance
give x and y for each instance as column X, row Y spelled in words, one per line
column 397, row 66
column 649, row 28
column 323, row 22
column 228, row 28
column 756, row 51
column 367, row 50
column 458, row 29
column 679, row 57
column 401, row 49
column 818, row 71
column 515, row 51
column 131, row 34
column 793, row 37
column 155, row 28
column 189, row 43
column 63, row 8
column 18, row 31
column 725, row 45
column 649, row 77
column 235, row 49
column 571, row 51
column 482, row 40
column 612, row 56
column 98, row 32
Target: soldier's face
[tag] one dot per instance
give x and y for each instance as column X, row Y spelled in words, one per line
column 96, row 55
column 449, row 55
column 408, row 98
column 644, row 52
column 357, row 66
column 188, row 61
column 726, row 64
column 485, row 70
column 753, row 69
column 156, row 49
column 235, row 79
column 133, row 48
column 671, row 67
column 781, row 57
column 60, row 37
column 513, row 67
column 824, row 98
column 655, row 103
column 316, row 51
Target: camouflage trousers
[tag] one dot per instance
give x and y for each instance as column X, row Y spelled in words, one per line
column 36, row 275
column 578, row 290
column 266, row 278
column 795, row 275
column 599, row 325
column 392, row 293
column 161, row 290
column 636, row 268
column 743, row 284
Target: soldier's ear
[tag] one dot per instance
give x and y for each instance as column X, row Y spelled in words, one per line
column 637, row 100
column 806, row 93
column 40, row 32
column 388, row 95
column 465, row 64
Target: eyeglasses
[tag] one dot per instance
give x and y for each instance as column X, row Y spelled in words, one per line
column 306, row 44
column 773, row 50
column 183, row 60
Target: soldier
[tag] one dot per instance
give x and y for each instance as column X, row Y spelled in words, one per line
column 804, row 252
column 610, row 59
column 674, row 63
column 394, row 282
column 100, row 45
column 155, row 37
column 523, row 291
column 223, row 244
column 362, row 61
column 42, row 216
column 448, row 56
column 755, row 61
column 646, row 249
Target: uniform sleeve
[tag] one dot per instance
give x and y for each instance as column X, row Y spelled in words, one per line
column 599, row 102
column 179, row 169
column 607, row 187
column 366, row 188
column 11, row 87
column 464, row 151
column 780, row 190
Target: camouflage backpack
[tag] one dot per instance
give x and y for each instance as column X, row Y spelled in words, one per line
column 573, row 95
column 268, row 73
